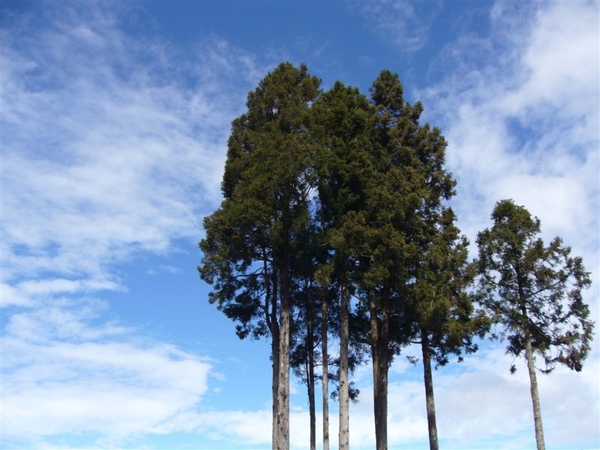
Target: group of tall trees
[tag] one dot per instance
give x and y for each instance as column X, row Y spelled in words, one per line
column 335, row 229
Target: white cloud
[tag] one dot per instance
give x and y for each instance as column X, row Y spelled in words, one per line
column 483, row 401
column 399, row 22
column 112, row 145
column 63, row 372
column 526, row 124
column 479, row 403
column 9, row 296
column 561, row 61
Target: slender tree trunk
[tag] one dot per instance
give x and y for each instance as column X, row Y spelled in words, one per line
column 429, row 398
column 379, row 336
column 271, row 295
column 312, row 412
column 275, row 385
column 535, row 398
column 344, row 425
column 325, row 354
column 310, row 374
column 325, row 366
column 283, row 393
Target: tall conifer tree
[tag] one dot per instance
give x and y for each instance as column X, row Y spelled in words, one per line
column 250, row 239
column 534, row 292
column 344, row 126
column 413, row 258
column 442, row 311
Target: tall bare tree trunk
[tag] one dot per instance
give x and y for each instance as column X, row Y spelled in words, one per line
column 325, row 357
column 312, row 412
column 344, row 425
column 429, row 398
column 533, row 386
column 310, row 375
column 535, row 398
column 282, row 437
column 275, row 384
column 325, row 354
column 273, row 323
column 379, row 355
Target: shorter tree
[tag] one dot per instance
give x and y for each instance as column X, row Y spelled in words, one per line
column 444, row 319
column 534, row 293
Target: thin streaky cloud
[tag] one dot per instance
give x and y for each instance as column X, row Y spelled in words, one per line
column 399, row 22
column 110, row 149
column 98, row 378
column 101, row 162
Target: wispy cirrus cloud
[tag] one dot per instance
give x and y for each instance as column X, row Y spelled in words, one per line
column 403, row 23
column 67, row 369
column 113, row 145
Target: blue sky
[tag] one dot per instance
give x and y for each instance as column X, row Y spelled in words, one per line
column 115, row 117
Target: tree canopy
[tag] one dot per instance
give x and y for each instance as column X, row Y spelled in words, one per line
column 534, row 292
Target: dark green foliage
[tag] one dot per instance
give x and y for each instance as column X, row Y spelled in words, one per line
column 334, row 223
column 251, row 240
column 344, row 130
column 442, row 306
